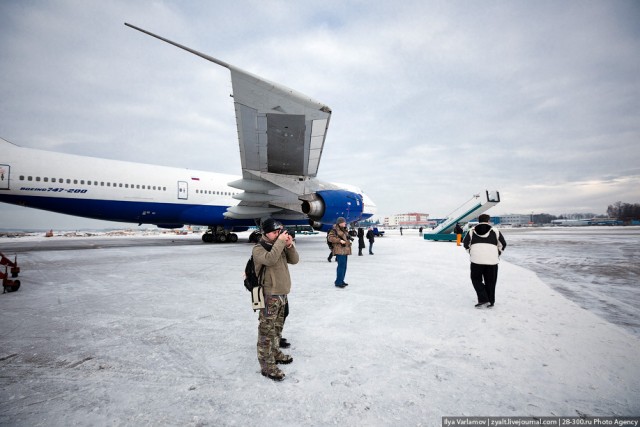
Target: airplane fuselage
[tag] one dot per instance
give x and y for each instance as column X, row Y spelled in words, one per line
column 119, row 191
column 114, row 190
column 281, row 136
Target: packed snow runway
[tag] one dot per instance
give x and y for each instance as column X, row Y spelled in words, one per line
column 163, row 334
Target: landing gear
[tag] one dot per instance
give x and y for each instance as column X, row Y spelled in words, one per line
column 219, row 235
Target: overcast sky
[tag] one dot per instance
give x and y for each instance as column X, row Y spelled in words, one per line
column 432, row 101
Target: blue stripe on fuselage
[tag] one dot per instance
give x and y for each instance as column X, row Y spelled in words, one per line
column 130, row 211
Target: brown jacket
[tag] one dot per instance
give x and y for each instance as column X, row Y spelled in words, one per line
column 277, row 280
column 335, row 235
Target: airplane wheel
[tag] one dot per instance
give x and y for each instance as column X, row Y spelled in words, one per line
column 222, row 238
column 233, row 237
column 207, row 238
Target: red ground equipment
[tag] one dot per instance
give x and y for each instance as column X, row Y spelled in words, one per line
column 8, row 285
column 15, row 270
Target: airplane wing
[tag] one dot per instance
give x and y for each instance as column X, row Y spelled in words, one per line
column 281, row 134
column 280, row 131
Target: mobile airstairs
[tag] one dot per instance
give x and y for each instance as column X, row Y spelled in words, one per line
column 469, row 210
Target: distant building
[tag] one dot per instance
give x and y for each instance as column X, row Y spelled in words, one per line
column 408, row 220
column 516, row 220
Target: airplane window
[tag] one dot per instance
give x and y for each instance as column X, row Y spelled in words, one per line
column 120, row 185
column 38, row 178
column 101, row 183
column 68, row 181
column 108, row 184
column 126, row 186
column 21, row 177
column 82, row 181
column 164, row 188
column 137, row 186
column 53, row 180
column 29, row 178
column 95, row 182
column 88, row 182
column 46, row 179
column 75, row 181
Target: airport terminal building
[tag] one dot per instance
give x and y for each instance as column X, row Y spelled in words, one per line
column 409, row 220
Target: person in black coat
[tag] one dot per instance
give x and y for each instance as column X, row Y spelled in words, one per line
column 458, row 231
column 360, row 241
column 371, row 237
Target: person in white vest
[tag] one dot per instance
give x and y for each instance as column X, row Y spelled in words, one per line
column 485, row 244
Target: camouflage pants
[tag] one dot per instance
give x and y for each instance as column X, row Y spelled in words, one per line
column 270, row 331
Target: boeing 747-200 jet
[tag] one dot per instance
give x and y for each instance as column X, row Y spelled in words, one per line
column 281, row 135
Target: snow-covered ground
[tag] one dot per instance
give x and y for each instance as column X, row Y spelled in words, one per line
column 163, row 334
column 596, row 267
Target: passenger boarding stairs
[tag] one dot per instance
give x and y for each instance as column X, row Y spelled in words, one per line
column 469, row 210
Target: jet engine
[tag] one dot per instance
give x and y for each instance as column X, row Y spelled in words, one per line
column 325, row 207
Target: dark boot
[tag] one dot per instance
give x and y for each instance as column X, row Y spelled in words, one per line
column 284, row 343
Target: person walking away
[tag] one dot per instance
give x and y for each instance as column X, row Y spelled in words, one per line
column 371, row 237
column 341, row 241
column 401, row 231
column 360, row 241
column 458, row 231
column 485, row 245
column 275, row 251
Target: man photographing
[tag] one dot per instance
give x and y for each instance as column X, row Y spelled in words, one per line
column 275, row 251
column 341, row 243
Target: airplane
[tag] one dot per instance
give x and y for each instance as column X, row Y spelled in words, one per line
column 281, row 134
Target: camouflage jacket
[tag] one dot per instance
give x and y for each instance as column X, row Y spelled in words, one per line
column 335, row 235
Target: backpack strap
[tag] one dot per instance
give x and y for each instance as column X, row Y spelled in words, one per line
column 267, row 247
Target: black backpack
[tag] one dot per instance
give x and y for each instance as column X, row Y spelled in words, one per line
column 251, row 280
column 328, row 241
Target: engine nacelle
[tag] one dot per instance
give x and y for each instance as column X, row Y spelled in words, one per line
column 325, row 207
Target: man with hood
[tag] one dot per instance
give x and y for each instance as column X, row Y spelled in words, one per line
column 275, row 251
column 341, row 241
column 485, row 245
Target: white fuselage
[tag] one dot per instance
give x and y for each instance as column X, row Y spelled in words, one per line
column 117, row 190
